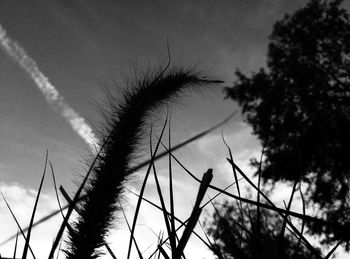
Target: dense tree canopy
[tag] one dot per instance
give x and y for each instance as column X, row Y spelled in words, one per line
column 299, row 107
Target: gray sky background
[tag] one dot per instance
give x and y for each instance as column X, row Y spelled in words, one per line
column 79, row 45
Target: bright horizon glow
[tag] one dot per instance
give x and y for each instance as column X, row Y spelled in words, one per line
column 52, row 96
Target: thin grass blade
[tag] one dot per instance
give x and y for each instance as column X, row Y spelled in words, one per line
column 133, row 237
column 235, row 175
column 171, row 191
column 162, row 251
column 26, row 245
column 207, row 177
column 15, row 250
column 160, row 238
column 258, row 212
column 281, row 238
column 55, row 187
column 164, row 209
column 18, row 225
column 303, row 221
column 59, row 249
column 143, row 188
column 333, row 250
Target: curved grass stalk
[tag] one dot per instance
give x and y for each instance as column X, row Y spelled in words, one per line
column 126, row 123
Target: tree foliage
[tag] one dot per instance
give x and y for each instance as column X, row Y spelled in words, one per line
column 237, row 234
column 299, row 108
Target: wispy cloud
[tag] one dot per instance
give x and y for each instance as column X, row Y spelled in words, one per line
column 52, row 96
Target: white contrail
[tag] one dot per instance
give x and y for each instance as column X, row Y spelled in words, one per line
column 52, row 96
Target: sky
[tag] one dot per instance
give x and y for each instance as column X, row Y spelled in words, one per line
column 56, row 59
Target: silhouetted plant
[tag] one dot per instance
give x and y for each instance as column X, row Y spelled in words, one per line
column 299, row 107
column 122, row 138
column 236, row 234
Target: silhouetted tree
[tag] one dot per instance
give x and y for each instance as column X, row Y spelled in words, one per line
column 237, row 235
column 299, row 108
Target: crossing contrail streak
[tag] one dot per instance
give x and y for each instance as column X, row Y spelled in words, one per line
column 52, row 96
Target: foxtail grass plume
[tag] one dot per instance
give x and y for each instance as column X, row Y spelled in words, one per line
column 126, row 124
